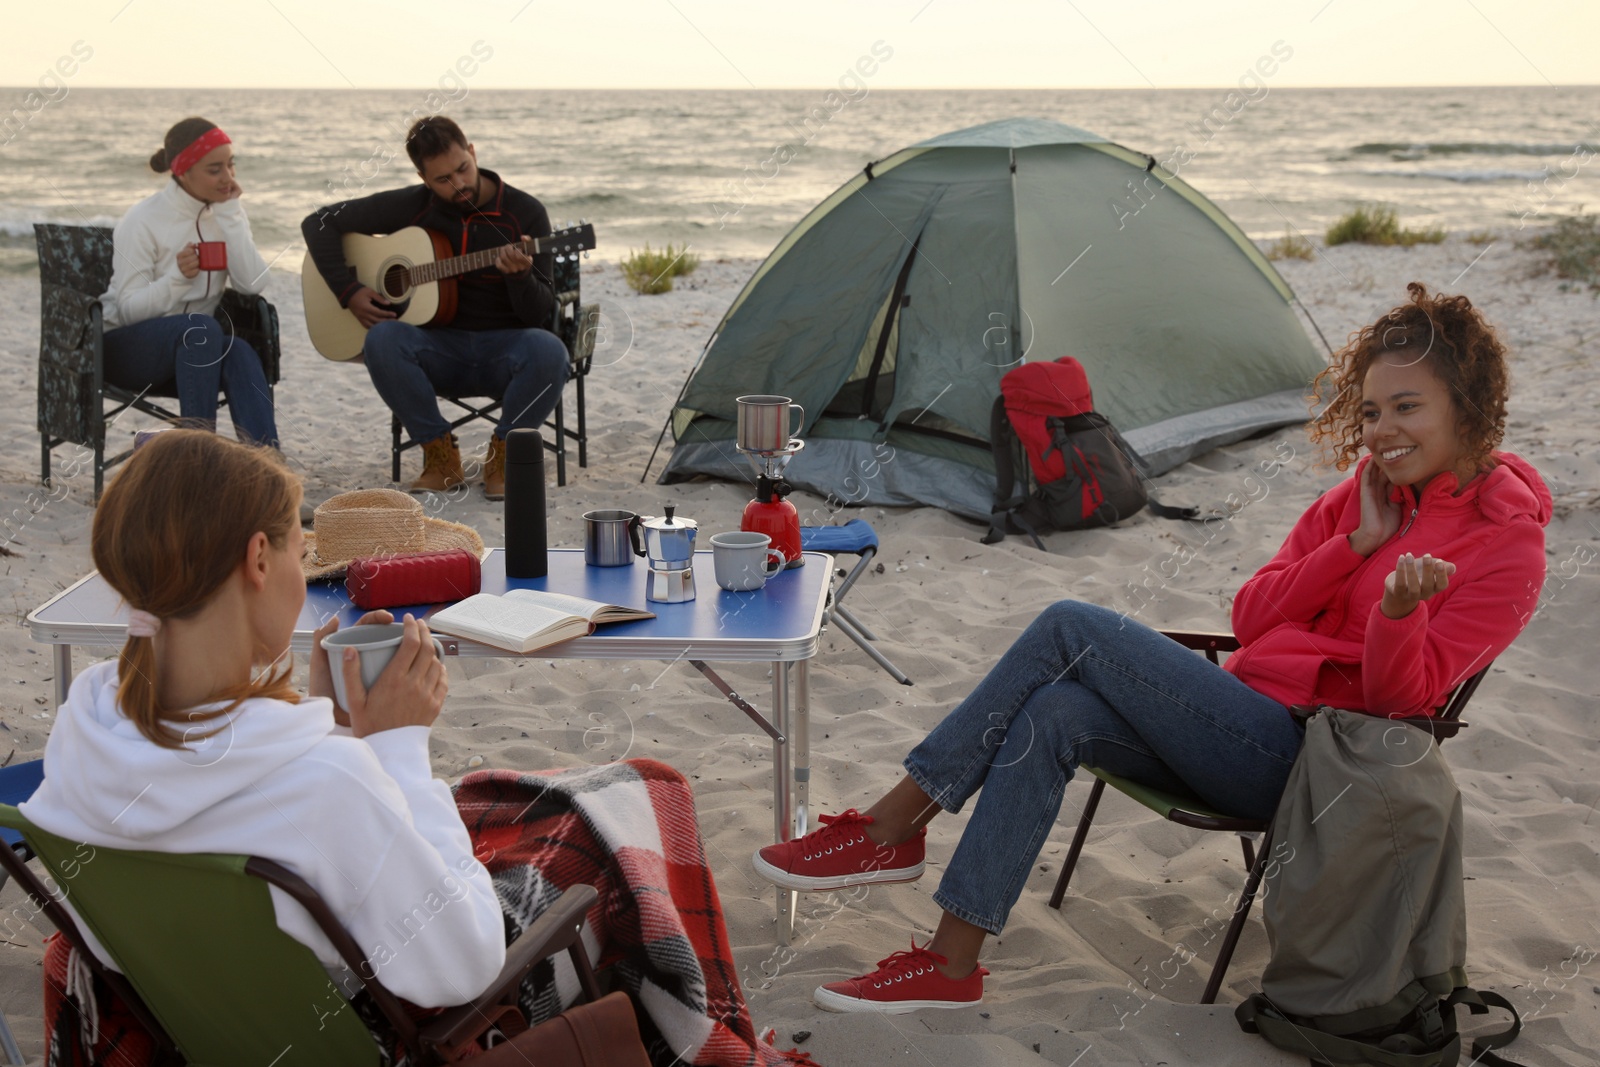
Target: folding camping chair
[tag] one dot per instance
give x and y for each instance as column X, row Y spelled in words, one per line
column 855, row 537
column 74, row 271
column 246, row 992
column 1189, row 810
column 577, row 324
column 17, row 783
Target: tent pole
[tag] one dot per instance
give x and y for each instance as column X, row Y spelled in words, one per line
column 662, row 436
column 684, row 388
column 1314, row 325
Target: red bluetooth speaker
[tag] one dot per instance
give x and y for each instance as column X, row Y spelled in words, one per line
column 402, row 581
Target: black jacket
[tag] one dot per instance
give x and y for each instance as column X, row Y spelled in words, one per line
column 487, row 299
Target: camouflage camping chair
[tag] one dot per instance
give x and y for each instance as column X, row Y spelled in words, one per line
column 74, row 270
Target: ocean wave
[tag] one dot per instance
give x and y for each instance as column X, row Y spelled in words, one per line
column 13, row 229
column 1465, row 176
column 596, row 198
column 1467, row 148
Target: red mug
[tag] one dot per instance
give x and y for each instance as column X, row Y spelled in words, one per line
column 213, row 255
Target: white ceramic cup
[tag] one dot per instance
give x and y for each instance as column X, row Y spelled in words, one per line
column 375, row 643
column 744, row 560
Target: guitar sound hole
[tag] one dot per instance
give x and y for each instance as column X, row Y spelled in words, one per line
column 394, row 282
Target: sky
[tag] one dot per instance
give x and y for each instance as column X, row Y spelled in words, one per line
column 719, row 44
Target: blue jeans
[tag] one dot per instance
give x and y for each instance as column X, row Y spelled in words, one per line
column 1085, row 685
column 193, row 356
column 411, row 367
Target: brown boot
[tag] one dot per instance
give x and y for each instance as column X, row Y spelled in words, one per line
column 441, row 466
column 494, row 469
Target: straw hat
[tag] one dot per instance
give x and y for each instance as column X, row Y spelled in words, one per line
column 377, row 522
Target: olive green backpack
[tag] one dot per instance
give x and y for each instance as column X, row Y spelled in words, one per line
column 1366, row 912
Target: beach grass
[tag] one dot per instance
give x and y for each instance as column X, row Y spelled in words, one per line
column 1573, row 248
column 1378, row 224
column 1479, row 237
column 1290, row 246
column 650, row 271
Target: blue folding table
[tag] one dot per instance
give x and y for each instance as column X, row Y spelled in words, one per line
column 778, row 625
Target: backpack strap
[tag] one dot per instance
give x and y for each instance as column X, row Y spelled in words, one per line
column 1154, row 506
column 1000, row 446
column 1168, row 511
column 1258, row 1016
column 1008, row 495
column 1478, row 1002
column 1431, row 1040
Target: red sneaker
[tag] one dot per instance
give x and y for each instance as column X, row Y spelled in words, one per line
column 840, row 855
column 904, row 982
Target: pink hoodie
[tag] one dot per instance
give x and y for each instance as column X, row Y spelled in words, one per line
column 1309, row 620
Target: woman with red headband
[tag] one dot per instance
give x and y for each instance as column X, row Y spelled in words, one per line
column 160, row 320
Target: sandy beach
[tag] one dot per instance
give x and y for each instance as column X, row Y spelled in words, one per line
column 1100, row 982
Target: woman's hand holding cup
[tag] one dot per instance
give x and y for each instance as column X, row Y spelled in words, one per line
column 407, row 678
column 321, row 676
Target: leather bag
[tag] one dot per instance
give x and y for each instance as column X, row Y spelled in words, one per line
column 602, row 1034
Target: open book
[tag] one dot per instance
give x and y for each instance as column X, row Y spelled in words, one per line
column 527, row 619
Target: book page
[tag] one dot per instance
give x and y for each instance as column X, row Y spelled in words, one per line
column 512, row 619
column 561, row 603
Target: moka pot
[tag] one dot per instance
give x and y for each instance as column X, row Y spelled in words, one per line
column 667, row 542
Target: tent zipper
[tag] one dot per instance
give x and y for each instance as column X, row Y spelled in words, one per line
column 890, row 319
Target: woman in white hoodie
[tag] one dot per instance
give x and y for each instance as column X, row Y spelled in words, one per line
column 194, row 740
column 160, row 310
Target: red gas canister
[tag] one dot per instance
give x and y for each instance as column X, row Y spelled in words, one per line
column 771, row 514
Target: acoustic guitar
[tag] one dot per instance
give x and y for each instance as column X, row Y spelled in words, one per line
column 414, row 271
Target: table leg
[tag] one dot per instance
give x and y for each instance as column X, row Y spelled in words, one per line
column 783, row 792
column 63, row 660
column 800, row 733
column 738, row 701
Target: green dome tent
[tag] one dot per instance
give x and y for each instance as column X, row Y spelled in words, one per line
column 892, row 310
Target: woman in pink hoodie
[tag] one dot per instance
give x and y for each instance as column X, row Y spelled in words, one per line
column 1393, row 587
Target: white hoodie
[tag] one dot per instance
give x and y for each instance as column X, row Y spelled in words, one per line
column 362, row 819
column 145, row 280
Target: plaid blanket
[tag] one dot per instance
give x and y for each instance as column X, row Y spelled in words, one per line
column 629, row 830
column 114, row 1033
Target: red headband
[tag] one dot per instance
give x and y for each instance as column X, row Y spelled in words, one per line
column 196, row 151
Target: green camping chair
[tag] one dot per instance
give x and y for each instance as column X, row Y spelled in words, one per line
column 1189, row 810
column 209, row 974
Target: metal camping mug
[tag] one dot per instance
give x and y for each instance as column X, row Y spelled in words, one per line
column 605, row 538
column 764, row 422
column 213, row 254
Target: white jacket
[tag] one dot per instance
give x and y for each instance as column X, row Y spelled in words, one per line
column 362, row 819
column 145, row 280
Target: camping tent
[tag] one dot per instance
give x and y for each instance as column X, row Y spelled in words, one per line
column 893, row 308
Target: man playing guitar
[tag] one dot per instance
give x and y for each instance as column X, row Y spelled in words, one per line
column 495, row 345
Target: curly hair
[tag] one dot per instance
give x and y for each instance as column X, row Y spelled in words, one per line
column 1462, row 350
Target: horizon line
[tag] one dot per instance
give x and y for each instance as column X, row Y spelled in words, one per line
column 800, row 88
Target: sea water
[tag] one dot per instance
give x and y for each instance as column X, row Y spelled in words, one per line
column 729, row 172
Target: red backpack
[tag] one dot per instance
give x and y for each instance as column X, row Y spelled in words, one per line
column 1078, row 473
